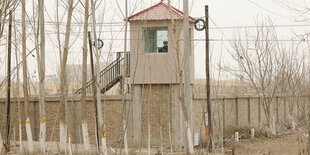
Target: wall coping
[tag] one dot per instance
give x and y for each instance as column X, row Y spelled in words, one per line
column 70, row 98
column 234, row 96
column 77, row 98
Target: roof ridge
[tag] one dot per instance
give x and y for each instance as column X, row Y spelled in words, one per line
column 146, row 9
column 181, row 12
column 175, row 11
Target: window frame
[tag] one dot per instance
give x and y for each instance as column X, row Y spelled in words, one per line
column 145, row 40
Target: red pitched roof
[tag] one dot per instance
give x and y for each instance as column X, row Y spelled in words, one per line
column 159, row 11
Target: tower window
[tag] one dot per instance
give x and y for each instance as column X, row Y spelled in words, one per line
column 156, row 40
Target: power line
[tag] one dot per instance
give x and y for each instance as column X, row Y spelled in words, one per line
column 216, row 27
column 267, row 9
column 219, row 40
column 73, row 23
column 259, row 26
column 199, row 39
column 244, row 40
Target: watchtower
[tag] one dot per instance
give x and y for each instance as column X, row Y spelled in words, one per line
column 156, row 45
column 156, row 64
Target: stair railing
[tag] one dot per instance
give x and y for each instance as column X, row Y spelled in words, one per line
column 110, row 75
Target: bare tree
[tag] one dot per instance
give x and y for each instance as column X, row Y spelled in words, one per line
column 292, row 82
column 97, row 54
column 124, row 76
column 256, row 54
column 187, row 86
column 8, row 104
column 17, row 92
column 63, row 82
column 83, row 97
column 41, row 71
column 25, row 79
column 5, row 7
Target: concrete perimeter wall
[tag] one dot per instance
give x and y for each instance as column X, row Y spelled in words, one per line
column 247, row 110
column 158, row 105
column 112, row 108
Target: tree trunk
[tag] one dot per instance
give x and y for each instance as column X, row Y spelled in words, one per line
column 308, row 144
column 63, row 82
column 8, row 105
column 97, row 53
column 187, row 78
column 17, row 94
column 25, row 79
column 41, row 71
column 83, row 97
column 124, row 76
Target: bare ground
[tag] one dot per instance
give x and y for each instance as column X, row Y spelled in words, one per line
column 291, row 143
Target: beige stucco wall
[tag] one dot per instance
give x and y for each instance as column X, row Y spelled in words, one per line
column 112, row 107
column 157, row 105
column 157, row 68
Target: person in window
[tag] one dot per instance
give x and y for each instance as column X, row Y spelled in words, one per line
column 165, row 48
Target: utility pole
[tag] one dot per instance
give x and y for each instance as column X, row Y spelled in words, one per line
column 94, row 88
column 187, row 78
column 209, row 142
column 8, row 107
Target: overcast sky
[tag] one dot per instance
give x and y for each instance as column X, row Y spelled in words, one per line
column 225, row 16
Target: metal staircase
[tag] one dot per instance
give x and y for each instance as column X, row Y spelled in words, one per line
column 110, row 75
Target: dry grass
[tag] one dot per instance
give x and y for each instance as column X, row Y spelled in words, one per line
column 245, row 132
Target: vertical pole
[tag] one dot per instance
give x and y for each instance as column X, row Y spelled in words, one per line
column 94, row 87
column 42, row 78
column 209, row 143
column 1, row 142
column 125, row 138
column 236, row 136
column 237, row 111
column 285, row 99
column 308, row 123
column 252, row 133
column 259, row 114
column 249, row 111
column 69, row 145
column 277, row 108
column 25, row 78
column 83, row 103
column 206, row 125
column 17, row 93
column 124, row 76
column 63, row 112
column 187, row 79
column 224, row 117
column 97, row 79
column 8, row 125
column 298, row 107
